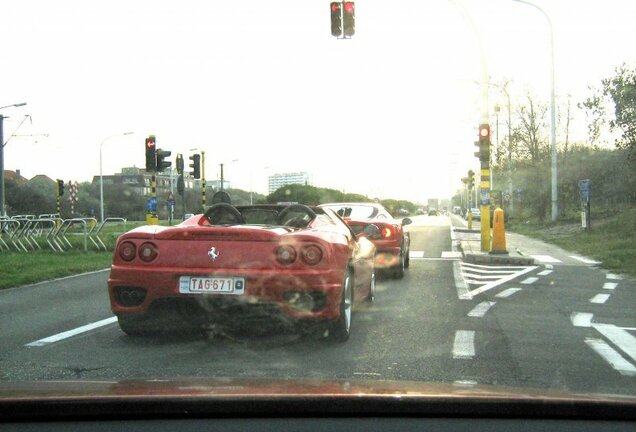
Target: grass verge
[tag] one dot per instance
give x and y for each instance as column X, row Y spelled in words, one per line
column 611, row 240
column 27, row 268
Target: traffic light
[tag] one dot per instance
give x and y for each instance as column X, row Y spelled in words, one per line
column 162, row 163
column 483, row 143
column 471, row 179
column 336, row 19
column 196, row 166
column 60, row 187
column 349, row 18
column 179, row 164
column 151, row 154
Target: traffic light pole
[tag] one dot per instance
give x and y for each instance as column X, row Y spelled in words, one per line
column 2, row 210
column 203, row 180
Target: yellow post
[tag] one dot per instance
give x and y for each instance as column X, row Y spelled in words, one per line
column 484, row 221
column 498, row 233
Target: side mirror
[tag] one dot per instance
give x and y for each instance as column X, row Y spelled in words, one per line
column 371, row 230
column 406, row 221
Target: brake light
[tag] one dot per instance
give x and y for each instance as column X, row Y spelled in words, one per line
column 311, row 254
column 127, row 251
column 386, row 232
column 148, row 252
column 285, row 255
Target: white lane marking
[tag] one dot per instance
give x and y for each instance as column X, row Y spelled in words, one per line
column 449, row 254
column 480, row 310
column 614, row 276
column 464, row 345
column 599, row 298
column 416, row 254
column 545, row 272
column 508, row 292
column 491, row 267
column 529, row 280
column 549, row 266
column 460, row 283
column 546, row 258
column 610, row 285
column 70, row 333
column 615, row 360
column 470, row 294
column 581, row 319
column 619, row 337
column 584, row 259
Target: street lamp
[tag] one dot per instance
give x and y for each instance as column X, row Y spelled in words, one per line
column 2, row 143
column 553, row 151
column 101, row 177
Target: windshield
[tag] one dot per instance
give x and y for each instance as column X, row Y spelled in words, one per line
column 427, row 192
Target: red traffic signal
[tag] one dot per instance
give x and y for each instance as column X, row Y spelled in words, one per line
column 483, row 143
column 151, row 154
column 336, row 19
column 349, row 19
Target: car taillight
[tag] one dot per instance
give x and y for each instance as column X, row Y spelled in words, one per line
column 148, row 252
column 386, row 232
column 127, row 251
column 285, row 255
column 311, row 254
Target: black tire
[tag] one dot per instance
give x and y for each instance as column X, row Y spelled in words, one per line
column 341, row 328
column 135, row 325
column 407, row 259
column 371, row 297
column 398, row 270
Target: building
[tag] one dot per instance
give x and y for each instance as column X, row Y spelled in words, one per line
column 279, row 180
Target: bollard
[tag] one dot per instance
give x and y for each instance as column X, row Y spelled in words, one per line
column 470, row 219
column 498, row 233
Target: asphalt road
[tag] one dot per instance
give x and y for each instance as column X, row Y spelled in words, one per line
column 564, row 324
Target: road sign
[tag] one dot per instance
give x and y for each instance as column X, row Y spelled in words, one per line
column 151, row 204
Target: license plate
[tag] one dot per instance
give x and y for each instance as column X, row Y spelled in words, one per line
column 211, row 285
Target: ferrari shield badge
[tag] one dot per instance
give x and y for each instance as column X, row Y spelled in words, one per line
column 213, row 253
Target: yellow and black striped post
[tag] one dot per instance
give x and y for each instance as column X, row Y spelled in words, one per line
column 485, row 207
column 203, row 181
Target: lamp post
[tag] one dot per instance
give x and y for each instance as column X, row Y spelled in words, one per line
column 101, row 177
column 553, row 151
column 2, row 143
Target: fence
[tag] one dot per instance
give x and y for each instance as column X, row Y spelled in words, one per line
column 25, row 233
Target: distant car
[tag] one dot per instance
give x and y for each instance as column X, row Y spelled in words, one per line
column 476, row 213
column 457, row 210
column 432, row 212
column 244, row 266
column 373, row 221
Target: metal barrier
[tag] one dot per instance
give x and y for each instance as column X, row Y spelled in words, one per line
column 26, row 233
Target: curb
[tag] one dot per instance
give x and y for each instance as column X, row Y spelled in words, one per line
column 497, row 259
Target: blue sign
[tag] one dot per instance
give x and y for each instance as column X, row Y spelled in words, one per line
column 584, row 189
column 151, row 205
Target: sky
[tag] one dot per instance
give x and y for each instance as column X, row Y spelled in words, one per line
column 263, row 87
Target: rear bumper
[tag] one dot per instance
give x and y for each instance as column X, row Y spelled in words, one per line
column 270, row 290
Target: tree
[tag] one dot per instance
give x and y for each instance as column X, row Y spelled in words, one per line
column 614, row 106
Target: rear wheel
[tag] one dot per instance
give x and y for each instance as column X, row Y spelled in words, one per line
column 341, row 328
column 371, row 297
column 398, row 270
column 135, row 325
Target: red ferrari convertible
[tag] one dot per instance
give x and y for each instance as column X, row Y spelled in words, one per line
column 240, row 266
column 391, row 240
